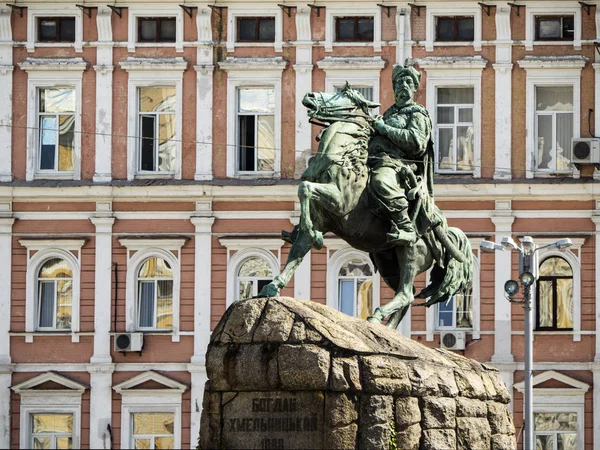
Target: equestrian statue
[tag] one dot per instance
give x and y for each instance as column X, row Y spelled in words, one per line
column 371, row 184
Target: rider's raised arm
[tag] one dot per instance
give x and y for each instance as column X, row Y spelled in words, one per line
column 411, row 140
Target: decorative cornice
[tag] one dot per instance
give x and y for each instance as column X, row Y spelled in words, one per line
column 172, row 64
column 29, row 385
column 553, row 62
column 262, row 64
column 351, row 63
column 452, row 62
column 33, row 64
column 168, row 383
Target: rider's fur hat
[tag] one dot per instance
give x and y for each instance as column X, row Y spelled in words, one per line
column 408, row 69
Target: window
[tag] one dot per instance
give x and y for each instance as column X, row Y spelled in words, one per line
column 153, row 430
column 554, row 28
column 455, row 129
column 252, row 29
column 454, row 28
column 52, row 431
column 556, row 431
column 56, row 119
column 456, row 313
column 355, row 288
column 156, row 128
column 351, row 29
column 157, row 29
column 365, row 91
column 554, row 127
column 555, row 295
column 155, row 295
column 254, row 274
column 55, row 294
column 256, row 129
column 56, row 29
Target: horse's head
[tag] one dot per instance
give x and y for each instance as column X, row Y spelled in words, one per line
column 332, row 107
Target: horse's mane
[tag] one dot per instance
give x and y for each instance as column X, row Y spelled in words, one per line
column 357, row 98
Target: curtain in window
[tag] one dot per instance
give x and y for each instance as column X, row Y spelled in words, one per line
column 146, row 304
column 47, row 298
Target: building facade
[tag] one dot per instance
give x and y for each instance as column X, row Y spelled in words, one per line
column 150, row 156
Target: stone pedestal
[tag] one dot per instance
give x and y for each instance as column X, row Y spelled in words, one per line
column 284, row 373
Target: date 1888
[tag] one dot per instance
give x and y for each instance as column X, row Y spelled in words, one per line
column 272, row 444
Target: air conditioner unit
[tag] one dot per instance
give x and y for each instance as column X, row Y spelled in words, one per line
column 129, row 342
column 585, row 151
column 453, row 340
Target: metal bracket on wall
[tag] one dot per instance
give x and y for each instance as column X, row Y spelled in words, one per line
column 387, row 8
column 597, row 47
column 316, row 8
column 118, row 10
column 87, row 10
column 287, row 9
column 486, row 8
column 587, row 7
column 416, row 8
column 218, row 9
column 17, row 8
column 189, row 10
column 518, row 7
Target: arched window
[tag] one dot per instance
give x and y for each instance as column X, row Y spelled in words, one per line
column 554, row 304
column 253, row 274
column 355, row 288
column 457, row 312
column 155, row 295
column 55, row 295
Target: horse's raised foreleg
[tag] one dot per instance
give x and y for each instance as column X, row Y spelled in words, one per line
column 299, row 249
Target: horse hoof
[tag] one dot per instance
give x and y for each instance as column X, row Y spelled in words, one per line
column 317, row 240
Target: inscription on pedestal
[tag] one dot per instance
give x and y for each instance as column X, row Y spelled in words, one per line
column 273, row 420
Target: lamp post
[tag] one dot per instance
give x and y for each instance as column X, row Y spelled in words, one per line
column 528, row 274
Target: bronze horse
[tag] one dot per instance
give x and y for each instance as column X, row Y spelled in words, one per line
column 334, row 197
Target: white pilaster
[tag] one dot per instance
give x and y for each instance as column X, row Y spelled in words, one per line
column 5, row 401
column 502, row 273
column 596, row 406
column 6, row 84
column 100, row 404
column 102, row 290
column 202, row 316
column 302, row 279
column 404, row 46
column 104, row 76
column 5, row 369
column 596, row 220
column 596, row 66
column 303, row 69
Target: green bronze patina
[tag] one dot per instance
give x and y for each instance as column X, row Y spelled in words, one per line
column 371, row 183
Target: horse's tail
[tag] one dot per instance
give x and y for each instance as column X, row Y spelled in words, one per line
column 456, row 276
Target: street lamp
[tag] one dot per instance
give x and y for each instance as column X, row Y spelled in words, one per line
column 528, row 274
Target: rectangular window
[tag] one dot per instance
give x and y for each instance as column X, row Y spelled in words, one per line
column 256, row 29
column 455, row 129
column 52, row 431
column 556, row 431
column 153, row 430
column 455, row 28
column 56, row 29
column 156, row 29
column 56, row 120
column 554, row 128
column 554, row 28
column 354, row 29
column 156, row 129
column 256, row 129
column 365, row 91
column 456, row 313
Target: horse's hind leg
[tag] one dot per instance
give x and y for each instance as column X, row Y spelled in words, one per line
column 397, row 317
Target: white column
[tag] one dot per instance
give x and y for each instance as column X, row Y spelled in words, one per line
column 596, row 406
column 596, row 220
column 100, row 404
column 502, row 307
column 102, row 289
column 404, row 46
column 6, row 85
column 596, row 66
column 5, row 298
column 204, row 96
column 202, row 317
column 302, row 279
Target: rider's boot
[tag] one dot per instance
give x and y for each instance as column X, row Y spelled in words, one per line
column 403, row 231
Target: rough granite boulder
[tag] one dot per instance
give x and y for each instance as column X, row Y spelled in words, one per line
column 285, row 373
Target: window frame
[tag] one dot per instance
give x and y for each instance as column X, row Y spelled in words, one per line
column 159, row 21
column 151, row 437
column 331, row 15
column 355, row 37
column 255, row 280
column 461, row 9
column 154, row 281
column 43, row 11
column 540, row 8
column 453, row 327
column 52, row 436
column 561, row 17
column 553, row 279
column 339, row 263
column 156, row 11
column 257, row 20
column 59, row 20
column 262, row 11
column 455, row 19
column 54, row 281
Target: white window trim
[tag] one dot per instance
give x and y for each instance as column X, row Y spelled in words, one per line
column 551, row 8
column 247, row 248
column 456, row 9
column 257, row 10
column 138, row 251
column 157, row 10
column 457, row 72
column 49, row 73
column 338, row 252
column 252, row 72
column 354, row 11
column 431, row 328
column 55, row 401
column 45, row 250
column 574, row 261
column 57, row 10
column 152, row 72
column 571, row 399
column 549, row 71
column 150, row 400
column 358, row 71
